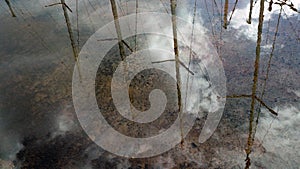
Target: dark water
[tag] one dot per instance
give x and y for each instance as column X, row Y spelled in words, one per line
column 38, row 124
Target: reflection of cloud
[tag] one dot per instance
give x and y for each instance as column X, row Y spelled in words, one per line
column 65, row 121
column 250, row 30
column 280, row 137
column 202, row 97
column 276, row 143
column 297, row 92
column 11, row 148
column 6, row 164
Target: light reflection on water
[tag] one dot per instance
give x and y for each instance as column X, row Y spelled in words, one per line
column 36, row 65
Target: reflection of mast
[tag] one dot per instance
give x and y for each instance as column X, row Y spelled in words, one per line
column 64, row 7
column 255, row 80
column 250, row 12
column 10, row 8
column 267, row 74
column 136, row 22
column 121, row 47
column 236, row 1
column 225, row 14
column 118, row 29
column 177, row 61
column 75, row 48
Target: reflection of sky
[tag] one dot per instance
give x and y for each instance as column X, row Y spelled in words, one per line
column 240, row 16
column 280, row 136
column 37, row 41
column 250, row 31
column 35, row 10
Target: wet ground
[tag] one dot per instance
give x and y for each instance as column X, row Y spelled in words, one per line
column 38, row 123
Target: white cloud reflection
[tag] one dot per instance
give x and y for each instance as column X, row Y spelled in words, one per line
column 250, row 30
